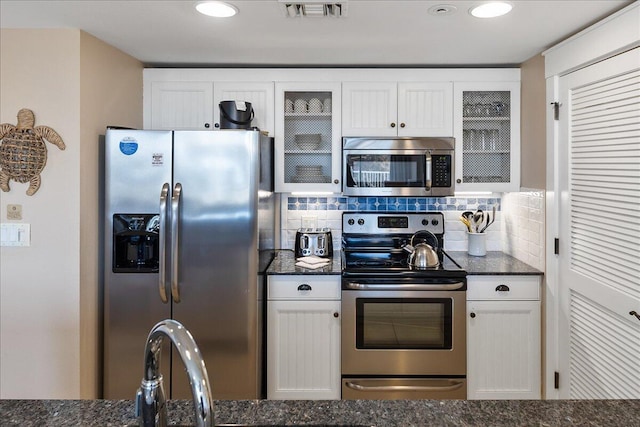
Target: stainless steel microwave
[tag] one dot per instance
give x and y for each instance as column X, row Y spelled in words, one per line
column 411, row 167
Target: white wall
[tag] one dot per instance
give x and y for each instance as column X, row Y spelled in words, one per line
column 45, row 315
column 524, row 226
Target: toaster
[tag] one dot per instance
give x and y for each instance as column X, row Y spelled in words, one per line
column 314, row 241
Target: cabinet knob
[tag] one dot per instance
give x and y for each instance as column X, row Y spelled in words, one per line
column 458, row 181
column 336, row 314
column 336, row 181
column 402, row 125
column 472, row 315
column 502, row 288
column 304, row 287
column 207, row 125
column 393, row 125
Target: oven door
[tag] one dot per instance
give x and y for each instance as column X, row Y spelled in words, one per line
column 404, row 332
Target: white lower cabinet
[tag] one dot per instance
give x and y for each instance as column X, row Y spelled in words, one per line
column 303, row 337
column 503, row 337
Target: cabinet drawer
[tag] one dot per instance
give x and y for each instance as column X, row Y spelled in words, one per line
column 515, row 288
column 304, row 287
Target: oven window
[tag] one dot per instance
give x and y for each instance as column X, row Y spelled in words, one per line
column 382, row 170
column 403, row 323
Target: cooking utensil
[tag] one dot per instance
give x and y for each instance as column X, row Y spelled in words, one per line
column 478, row 218
column 466, row 222
column 489, row 222
column 422, row 256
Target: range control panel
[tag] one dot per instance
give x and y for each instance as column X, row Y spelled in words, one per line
column 392, row 223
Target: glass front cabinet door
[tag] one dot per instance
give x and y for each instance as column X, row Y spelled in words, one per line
column 308, row 143
column 487, row 132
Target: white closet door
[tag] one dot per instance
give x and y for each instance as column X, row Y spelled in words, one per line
column 599, row 286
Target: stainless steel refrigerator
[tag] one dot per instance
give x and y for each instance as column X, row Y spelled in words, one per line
column 189, row 224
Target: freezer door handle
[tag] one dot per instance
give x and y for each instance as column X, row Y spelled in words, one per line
column 175, row 240
column 162, row 285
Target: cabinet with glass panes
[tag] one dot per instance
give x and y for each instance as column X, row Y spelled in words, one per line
column 307, row 137
column 487, row 129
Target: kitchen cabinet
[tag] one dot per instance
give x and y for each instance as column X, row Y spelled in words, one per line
column 503, row 337
column 180, row 105
column 397, row 109
column 185, row 105
column 303, row 337
column 308, row 143
column 487, row 133
column 259, row 94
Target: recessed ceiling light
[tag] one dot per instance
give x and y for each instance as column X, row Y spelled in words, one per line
column 217, row 9
column 491, row 10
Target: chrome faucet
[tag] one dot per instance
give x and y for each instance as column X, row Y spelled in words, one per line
column 151, row 406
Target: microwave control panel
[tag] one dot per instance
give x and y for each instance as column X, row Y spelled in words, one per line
column 441, row 175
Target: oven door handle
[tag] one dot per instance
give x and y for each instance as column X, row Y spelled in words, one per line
column 404, row 286
column 355, row 386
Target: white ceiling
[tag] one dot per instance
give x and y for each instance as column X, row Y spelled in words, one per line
column 374, row 32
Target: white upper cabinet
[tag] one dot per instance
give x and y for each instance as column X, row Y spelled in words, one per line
column 179, row 105
column 487, row 133
column 397, row 109
column 259, row 94
column 308, row 148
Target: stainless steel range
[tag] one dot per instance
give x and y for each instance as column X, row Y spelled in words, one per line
column 403, row 328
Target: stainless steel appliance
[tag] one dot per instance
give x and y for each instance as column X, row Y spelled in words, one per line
column 398, row 166
column 314, row 241
column 189, row 221
column 403, row 328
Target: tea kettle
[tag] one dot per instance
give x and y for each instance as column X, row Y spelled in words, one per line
column 422, row 256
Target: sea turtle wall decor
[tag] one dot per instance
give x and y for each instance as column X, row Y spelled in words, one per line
column 23, row 153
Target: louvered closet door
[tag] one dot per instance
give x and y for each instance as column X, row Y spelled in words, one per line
column 599, row 286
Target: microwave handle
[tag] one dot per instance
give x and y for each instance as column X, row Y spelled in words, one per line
column 427, row 173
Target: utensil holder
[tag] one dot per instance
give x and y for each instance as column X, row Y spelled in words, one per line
column 477, row 244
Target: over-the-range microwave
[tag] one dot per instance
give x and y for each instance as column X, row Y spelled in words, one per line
column 401, row 167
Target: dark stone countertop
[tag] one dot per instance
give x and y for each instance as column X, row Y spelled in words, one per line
column 467, row 413
column 285, row 263
column 494, row 263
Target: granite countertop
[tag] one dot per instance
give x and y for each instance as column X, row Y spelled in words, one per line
column 468, row 413
column 285, row 263
column 494, row 263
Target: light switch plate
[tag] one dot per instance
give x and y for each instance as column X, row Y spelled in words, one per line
column 14, row 212
column 15, row 234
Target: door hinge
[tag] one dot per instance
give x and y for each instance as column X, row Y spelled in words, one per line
column 556, row 246
column 556, row 110
column 556, row 380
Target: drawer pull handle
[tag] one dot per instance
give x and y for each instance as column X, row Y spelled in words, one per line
column 502, row 288
column 634, row 313
column 304, row 287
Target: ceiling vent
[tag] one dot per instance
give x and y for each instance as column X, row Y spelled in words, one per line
column 314, row 8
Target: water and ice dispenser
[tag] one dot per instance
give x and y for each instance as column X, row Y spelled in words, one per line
column 136, row 243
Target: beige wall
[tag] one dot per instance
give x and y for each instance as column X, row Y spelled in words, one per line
column 49, row 308
column 533, row 124
column 110, row 94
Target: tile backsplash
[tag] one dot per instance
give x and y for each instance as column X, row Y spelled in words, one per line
column 524, row 226
column 327, row 212
column 519, row 227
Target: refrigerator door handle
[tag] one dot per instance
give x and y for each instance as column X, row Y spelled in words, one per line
column 164, row 193
column 175, row 238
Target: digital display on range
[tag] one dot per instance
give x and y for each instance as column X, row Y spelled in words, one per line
column 393, row 222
